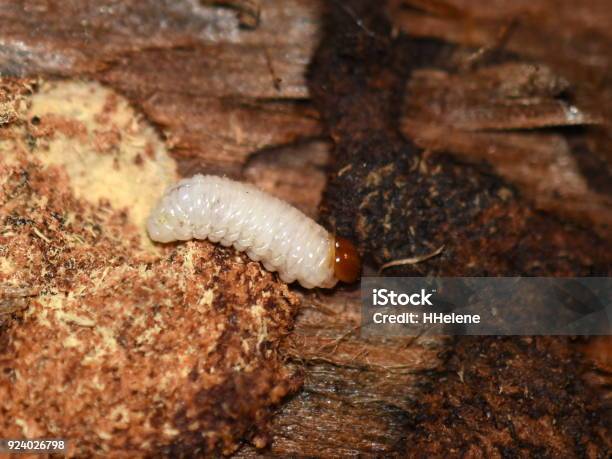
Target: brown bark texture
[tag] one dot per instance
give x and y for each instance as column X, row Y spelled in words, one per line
column 478, row 131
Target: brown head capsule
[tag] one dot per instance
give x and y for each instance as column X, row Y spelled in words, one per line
column 347, row 264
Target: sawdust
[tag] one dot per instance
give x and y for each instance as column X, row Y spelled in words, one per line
column 123, row 350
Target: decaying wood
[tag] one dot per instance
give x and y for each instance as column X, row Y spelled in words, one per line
column 520, row 91
column 191, row 68
column 397, row 202
column 128, row 349
column 552, row 74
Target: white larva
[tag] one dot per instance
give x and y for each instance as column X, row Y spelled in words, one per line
column 268, row 229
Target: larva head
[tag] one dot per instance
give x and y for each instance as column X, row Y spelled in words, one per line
column 347, row 264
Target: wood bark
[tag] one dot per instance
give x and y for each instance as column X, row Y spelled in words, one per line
column 507, row 104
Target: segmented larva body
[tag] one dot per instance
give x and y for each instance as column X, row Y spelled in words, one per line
column 268, row 229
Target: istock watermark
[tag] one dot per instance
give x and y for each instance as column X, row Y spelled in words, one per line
column 384, row 297
column 411, row 306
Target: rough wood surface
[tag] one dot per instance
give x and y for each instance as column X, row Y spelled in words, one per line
column 519, row 91
column 125, row 348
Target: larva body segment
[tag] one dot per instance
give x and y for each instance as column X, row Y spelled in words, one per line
column 239, row 214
